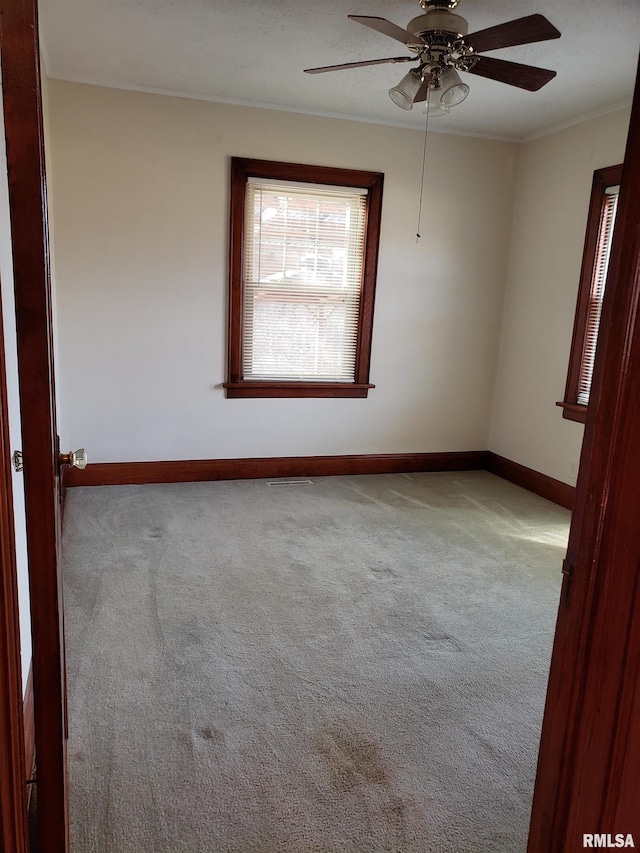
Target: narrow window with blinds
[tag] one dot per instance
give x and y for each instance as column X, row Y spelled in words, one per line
column 304, row 243
column 593, row 278
column 596, row 294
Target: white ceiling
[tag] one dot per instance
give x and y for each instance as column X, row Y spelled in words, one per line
column 254, row 52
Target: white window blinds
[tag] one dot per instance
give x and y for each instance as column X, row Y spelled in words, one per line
column 303, row 267
column 598, row 281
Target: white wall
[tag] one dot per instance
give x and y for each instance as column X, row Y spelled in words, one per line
column 549, row 223
column 13, row 402
column 139, row 190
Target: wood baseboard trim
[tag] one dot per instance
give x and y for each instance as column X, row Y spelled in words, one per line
column 29, row 727
column 201, row 470
column 204, row 470
column 541, row 484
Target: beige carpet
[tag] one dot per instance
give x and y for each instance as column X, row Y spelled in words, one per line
column 354, row 665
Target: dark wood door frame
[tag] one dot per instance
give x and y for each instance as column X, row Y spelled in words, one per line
column 19, row 52
column 13, row 792
column 591, row 737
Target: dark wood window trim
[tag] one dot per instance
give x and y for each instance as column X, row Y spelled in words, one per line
column 241, row 170
column 602, row 179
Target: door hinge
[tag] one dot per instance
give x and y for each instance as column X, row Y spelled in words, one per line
column 568, row 568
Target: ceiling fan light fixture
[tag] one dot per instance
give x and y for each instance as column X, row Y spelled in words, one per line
column 435, row 108
column 404, row 94
column 452, row 90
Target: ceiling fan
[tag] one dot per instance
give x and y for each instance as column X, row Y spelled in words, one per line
column 440, row 43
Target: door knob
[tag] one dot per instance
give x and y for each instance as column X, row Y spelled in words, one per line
column 75, row 458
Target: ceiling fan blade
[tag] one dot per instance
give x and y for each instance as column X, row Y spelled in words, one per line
column 523, row 76
column 521, row 31
column 422, row 91
column 359, row 64
column 388, row 29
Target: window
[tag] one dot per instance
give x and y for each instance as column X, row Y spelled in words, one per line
column 593, row 277
column 303, row 261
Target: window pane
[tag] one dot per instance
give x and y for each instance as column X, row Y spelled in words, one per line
column 598, row 281
column 294, row 337
column 303, row 277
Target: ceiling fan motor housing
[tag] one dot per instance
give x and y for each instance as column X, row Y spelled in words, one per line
column 439, row 21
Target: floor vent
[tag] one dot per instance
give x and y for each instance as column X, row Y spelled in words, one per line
column 290, row 483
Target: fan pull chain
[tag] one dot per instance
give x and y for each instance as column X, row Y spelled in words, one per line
column 424, row 161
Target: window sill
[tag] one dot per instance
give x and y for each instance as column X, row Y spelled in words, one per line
column 296, row 389
column 573, row 412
